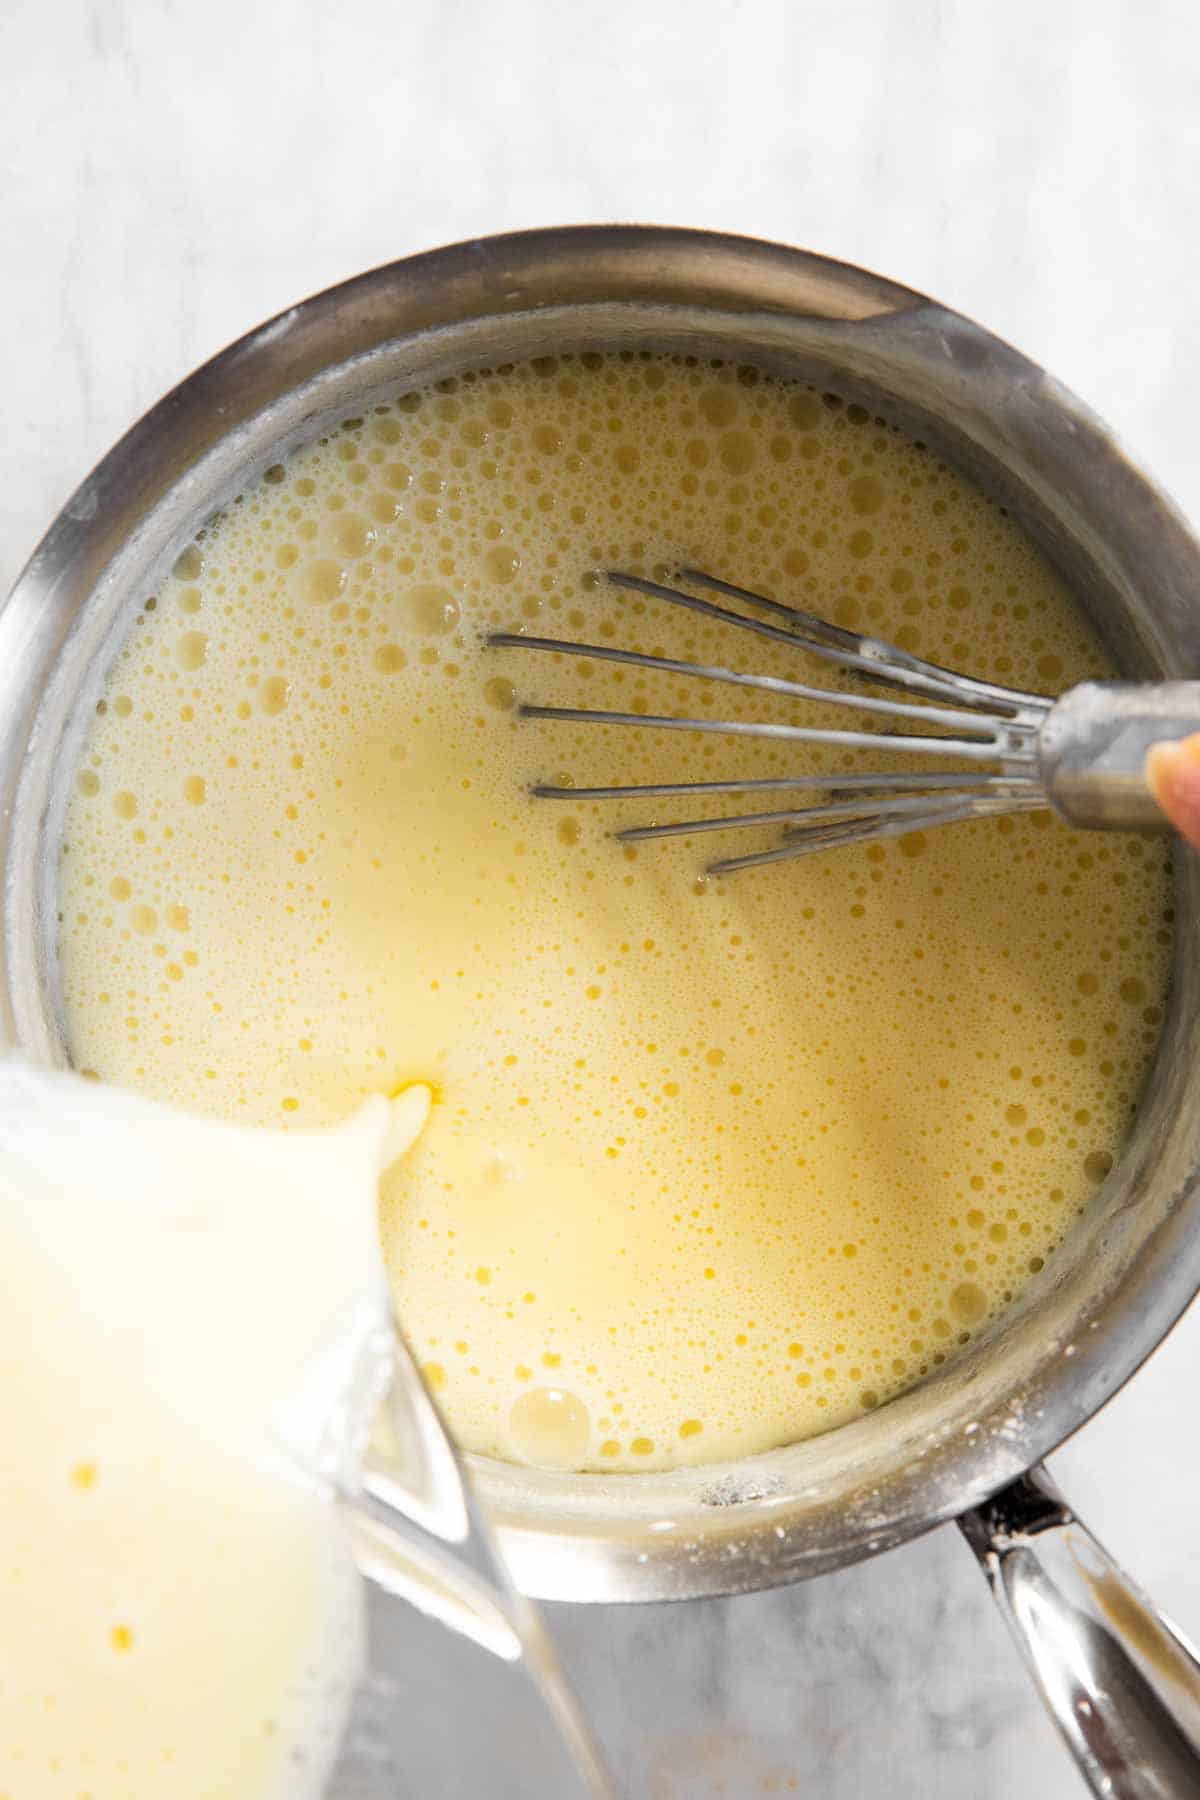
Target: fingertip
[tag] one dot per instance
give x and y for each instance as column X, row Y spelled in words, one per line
column 1173, row 776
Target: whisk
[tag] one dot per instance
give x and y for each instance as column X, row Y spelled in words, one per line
column 1081, row 754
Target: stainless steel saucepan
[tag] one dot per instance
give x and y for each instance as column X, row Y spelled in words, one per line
column 966, row 1443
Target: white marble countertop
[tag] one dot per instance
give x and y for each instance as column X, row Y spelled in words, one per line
column 173, row 173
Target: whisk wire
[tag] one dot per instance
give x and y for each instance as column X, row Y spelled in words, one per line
column 960, row 717
column 875, row 659
column 870, row 828
column 882, row 806
column 996, row 735
column 983, row 750
column 832, row 783
column 880, row 656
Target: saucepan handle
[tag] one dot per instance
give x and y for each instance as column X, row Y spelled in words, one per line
column 1121, row 1684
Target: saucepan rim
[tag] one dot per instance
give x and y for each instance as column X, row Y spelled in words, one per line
column 794, row 1512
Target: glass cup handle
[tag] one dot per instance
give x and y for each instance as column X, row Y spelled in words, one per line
column 416, row 1531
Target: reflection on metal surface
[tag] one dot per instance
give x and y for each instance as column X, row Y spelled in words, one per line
column 1119, row 1681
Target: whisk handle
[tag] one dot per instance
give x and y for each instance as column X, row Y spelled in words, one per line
column 1091, row 749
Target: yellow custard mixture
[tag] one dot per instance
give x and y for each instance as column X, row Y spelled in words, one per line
column 712, row 1165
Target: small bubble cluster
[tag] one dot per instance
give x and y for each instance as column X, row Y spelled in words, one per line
column 713, row 1164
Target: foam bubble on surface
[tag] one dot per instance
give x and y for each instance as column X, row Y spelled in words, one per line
column 723, row 1163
